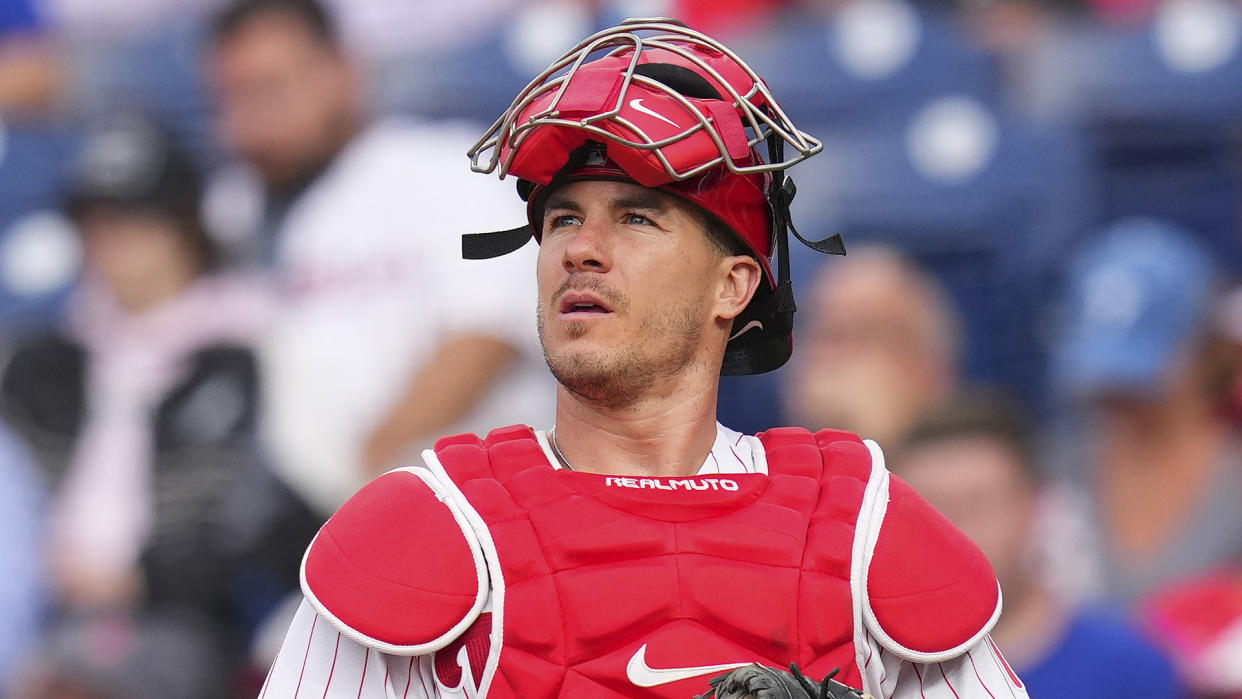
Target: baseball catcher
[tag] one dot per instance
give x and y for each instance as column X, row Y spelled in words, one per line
column 637, row 548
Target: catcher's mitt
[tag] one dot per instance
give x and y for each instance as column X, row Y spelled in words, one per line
column 755, row 681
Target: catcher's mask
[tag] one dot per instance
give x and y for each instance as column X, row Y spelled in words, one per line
column 654, row 102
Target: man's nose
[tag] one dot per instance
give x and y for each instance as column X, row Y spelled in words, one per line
column 586, row 251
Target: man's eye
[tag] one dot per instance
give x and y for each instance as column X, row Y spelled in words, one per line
column 561, row 221
column 637, row 220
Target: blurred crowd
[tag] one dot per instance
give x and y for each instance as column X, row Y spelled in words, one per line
column 231, row 292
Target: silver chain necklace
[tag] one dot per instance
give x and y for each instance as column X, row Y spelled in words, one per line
column 556, row 449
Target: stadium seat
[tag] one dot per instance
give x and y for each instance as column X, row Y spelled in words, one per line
column 476, row 81
column 161, row 75
column 875, row 60
column 987, row 202
column 39, row 253
column 1163, row 104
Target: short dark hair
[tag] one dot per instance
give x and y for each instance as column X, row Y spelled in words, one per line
column 310, row 13
column 722, row 238
column 982, row 412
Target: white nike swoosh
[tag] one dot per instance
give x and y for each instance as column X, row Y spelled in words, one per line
column 643, row 675
column 748, row 326
column 637, row 104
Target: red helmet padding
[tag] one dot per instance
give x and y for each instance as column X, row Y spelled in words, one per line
column 364, row 569
column 588, row 92
column 542, row 152
column 731, row 130
column 593, row 89
column 930, row 587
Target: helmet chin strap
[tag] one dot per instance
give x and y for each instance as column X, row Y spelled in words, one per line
column 781, row 197
column 484, row 246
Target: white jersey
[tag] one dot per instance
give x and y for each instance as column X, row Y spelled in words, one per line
column 317, row 660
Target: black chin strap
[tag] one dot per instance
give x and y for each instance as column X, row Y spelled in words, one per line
column 781, row 197
column 832, row 245
column 483, row 246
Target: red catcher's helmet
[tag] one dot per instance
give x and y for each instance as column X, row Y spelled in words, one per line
column 657, row 103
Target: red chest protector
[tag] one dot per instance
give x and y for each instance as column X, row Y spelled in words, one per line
column 608, row 586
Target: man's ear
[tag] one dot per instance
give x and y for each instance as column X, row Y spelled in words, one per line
column 739, row 280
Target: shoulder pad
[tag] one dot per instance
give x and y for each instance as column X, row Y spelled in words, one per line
column 930, row 593
column 795, row 450
column 398, row 568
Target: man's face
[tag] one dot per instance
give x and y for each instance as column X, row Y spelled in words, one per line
column 286, row 99
column 628, row 286
column 132, row 251
column 864, row 361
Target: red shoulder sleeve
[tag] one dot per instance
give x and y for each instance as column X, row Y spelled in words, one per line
column 931, row 593
column 398, row 567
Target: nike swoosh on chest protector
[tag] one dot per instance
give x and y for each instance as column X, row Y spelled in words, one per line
column 643, row 675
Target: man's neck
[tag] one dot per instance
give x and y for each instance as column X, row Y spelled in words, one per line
column 281, row 194
column 668, row 435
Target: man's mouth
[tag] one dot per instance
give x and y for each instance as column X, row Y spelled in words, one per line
column 577, row 305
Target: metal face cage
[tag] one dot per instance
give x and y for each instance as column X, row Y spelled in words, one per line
column 760, row 114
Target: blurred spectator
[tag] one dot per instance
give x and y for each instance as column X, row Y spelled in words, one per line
column 1153, row 447
column 21, row 588
column 1200, row 622
column 386, row 335
column 1200, row 619
column 169, row 542
column 974, row 461
column 879, row 348
column 30, row 63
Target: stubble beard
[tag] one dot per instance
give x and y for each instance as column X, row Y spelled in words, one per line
column 665, row 347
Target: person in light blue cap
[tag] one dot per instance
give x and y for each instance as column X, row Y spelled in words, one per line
column 1139, row 354
column 1138, row 299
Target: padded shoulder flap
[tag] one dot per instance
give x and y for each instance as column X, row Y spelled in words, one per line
column 398, row 568
column 795, row 450
column 930, row 594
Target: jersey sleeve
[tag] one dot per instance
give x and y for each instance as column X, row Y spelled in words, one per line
column 979, row 673
column 316, row 660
